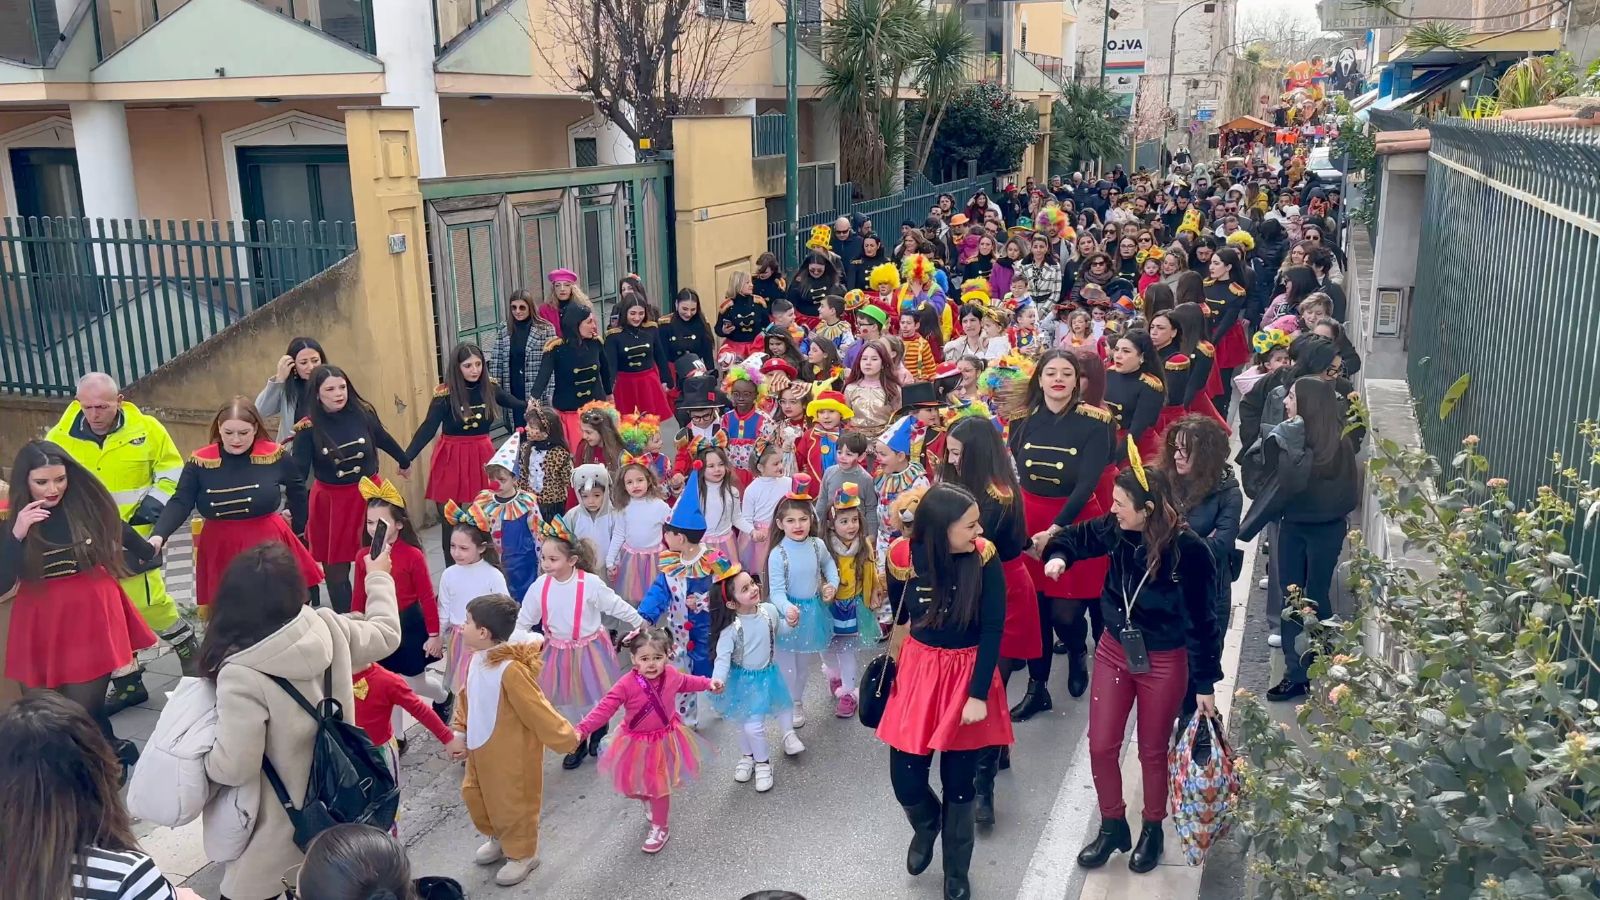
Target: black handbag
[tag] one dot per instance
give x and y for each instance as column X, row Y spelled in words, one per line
column 876, row 681
column 1235, row 563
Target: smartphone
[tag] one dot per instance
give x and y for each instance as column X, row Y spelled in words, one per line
column 379, row 536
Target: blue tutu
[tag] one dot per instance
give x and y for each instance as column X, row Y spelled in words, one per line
column 815, row 631
column 752, row 694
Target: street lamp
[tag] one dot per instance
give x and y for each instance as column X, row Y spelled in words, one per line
column 1172, row 65
column 1105, row 37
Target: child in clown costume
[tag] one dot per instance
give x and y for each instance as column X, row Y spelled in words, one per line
column 817, row 447
column 748, row 428
column 918, row 289
column 509, row 514
column 898, row 472
column 678, row 599
column 641, row 442
column 883, row 289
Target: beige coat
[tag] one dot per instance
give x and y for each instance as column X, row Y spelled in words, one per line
column 255, row 715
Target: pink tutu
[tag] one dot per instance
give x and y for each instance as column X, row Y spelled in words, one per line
column 650, row 764
column 636, row 570
column 730, row 545
column 753, row 556
column 456, row 657
column 577, row 674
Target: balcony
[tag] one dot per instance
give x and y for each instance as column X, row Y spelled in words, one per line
column 118, row 22
column 28, row 31
column 1052, row 67
column 453, row 18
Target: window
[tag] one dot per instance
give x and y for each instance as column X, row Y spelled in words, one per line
column 732, row 10
column 585, row 152
column 1023, row 37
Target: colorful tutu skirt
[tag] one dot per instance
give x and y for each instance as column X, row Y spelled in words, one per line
column 636, row 570
column 72, row 629
column 650, row 764
column 815, row 631
column 456, row 656
column 456, row 472
column 335, row 521
column 1021, row 638
column 752, row 694
column 641, row 392
column 220, row 542
column 924, row 709
column 730, row 545
column 753, row 556
column 1082, row 579
column 577, row 674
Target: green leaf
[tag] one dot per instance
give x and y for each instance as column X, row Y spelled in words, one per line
column 1453, row 395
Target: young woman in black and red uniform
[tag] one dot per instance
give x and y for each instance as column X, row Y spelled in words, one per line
column 1227, row 290
column 1136, row 392
column 742, row 316
column 684, row 331
column 1061, row 445
column 238, row 482
column 63, row 549
column 338, row 445
column 467, row 406
column 634, row 354
column 945, row 582
column 1190, row 321
column 580, row 357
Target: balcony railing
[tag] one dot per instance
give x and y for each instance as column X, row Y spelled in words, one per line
column 769, row 134
column 452, row 18
column 1054, row 67
column 28, row 30
column 118, row 22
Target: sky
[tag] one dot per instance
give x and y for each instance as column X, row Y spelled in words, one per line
column 1306, row 9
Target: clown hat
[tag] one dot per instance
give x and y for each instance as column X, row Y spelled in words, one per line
column 898, row 436
column 921, row 395
column 687, row 514
column 829, row 400
column 722, row 568
column 801, row 487
column 883, row 275
column 848, row 497
column 556, row 527
column 876, row 314
column 506, row 456
column 701, row 391
column 777, row 365
column 854, row 300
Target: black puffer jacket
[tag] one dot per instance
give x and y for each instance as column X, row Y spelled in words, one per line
column 1215, row 518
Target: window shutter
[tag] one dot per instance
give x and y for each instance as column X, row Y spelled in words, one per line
column 737, row 10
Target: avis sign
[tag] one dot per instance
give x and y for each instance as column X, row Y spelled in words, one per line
column 1125, row 60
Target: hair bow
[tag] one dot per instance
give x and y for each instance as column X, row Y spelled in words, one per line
column 379, row 488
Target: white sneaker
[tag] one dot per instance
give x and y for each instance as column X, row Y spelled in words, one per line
column 1274, row 640
column 763, row 777
column 744, row 768
column 799, row 716
column 1262, row 582
column 489, row 853
column 515, row 871
column 792, row 745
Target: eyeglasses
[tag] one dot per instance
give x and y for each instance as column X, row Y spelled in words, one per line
column 291, row 883
column 702, row 418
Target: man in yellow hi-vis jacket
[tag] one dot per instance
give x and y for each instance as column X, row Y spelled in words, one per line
column 135, row 459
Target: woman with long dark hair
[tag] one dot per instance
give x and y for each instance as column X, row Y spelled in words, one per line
column 1061, row 445
column 638, row 361
column 467, row 406
column 1227, row 292
column 684, row 332
column 1136, row 391
column 518, row 350
column 338, row 444
column 238, row 482
column 816, row 278
column 285, row 393
column 1190, row 321
column 1039, row 275
column 1317, row 487
column 1160, row 642
column 63, row 550
column 66, row 833
column 359, row 862
column 945, row 582
column 976, row 459
column 579, row 356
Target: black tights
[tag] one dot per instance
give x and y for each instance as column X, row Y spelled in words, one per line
column 337, row 577
column 445, row 531
column 909, row 773
column 91, row 695
column 1221, row 400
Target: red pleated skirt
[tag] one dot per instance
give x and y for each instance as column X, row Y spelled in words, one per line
column 335, row 521
column 1213, row 382
column 1102, row 488
column 1082, row 579
column 1169, row 414
column 574, row 432
column 1234, row 348
column 641, row 392
column 1021, row 638
column 72, row 629
column 456, row 472
column 1202, row 404
column 924, row 709
column 220, row 542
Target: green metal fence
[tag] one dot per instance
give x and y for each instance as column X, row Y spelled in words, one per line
column 1507, row 291
column 125, row 296
column 886, row 212
column 768, row 133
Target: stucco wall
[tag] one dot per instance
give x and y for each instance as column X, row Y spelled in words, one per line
column 721, row 215
column 505, row 135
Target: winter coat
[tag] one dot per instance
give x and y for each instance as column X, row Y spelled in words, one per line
column 1215, row 518
column 255, row 716
column 1285, row 463
column 541, row 333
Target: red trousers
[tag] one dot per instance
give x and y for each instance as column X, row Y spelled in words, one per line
column 1111, row 698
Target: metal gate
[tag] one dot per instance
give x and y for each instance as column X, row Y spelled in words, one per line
column 493, row 234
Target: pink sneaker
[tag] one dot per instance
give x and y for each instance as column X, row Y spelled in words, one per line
column 846, row 707
column 833, row 685
column 656, row 840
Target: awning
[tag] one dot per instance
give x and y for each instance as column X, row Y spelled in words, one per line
column 1363, row 101
column 1425, row 87
column 1246, row 123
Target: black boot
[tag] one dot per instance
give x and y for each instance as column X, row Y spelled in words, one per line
column 1005, row 758
column 1035, row 701
column 186, row 645
column 575, row 758
column 983, row 782
column 594, row 739
column 444, row 708
column 960, row 831
column 925, row 819
column 1113, row 837
column 125, row 691
column 127, row 754
column 1148, row 851
column 1077, row 660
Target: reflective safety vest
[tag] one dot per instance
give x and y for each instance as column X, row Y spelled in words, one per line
column 137, row 460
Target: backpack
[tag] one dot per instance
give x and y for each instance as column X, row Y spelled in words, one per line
column 350, row 782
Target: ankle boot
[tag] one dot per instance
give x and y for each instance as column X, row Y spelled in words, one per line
column 983, row 782
column 925, row 819
column 594, row 739
column 1077, row 659
column 1035, row 701
column 125, row 691
column 1147, row 853
column 1113, row 837
column 960, row 832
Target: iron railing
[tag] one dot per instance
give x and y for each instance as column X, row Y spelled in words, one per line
column 1521, row 318
column 886, row 212
column 769, row 134
column 1054, row 67
column 117, row 22
column 452, row 18
column 124, row 297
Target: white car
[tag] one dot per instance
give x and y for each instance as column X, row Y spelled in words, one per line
column 1321, row 165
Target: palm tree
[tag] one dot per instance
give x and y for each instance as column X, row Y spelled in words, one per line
column 942, row 58
column 1085, row 124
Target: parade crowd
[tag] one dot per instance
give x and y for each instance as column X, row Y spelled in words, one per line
column 952, row 452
